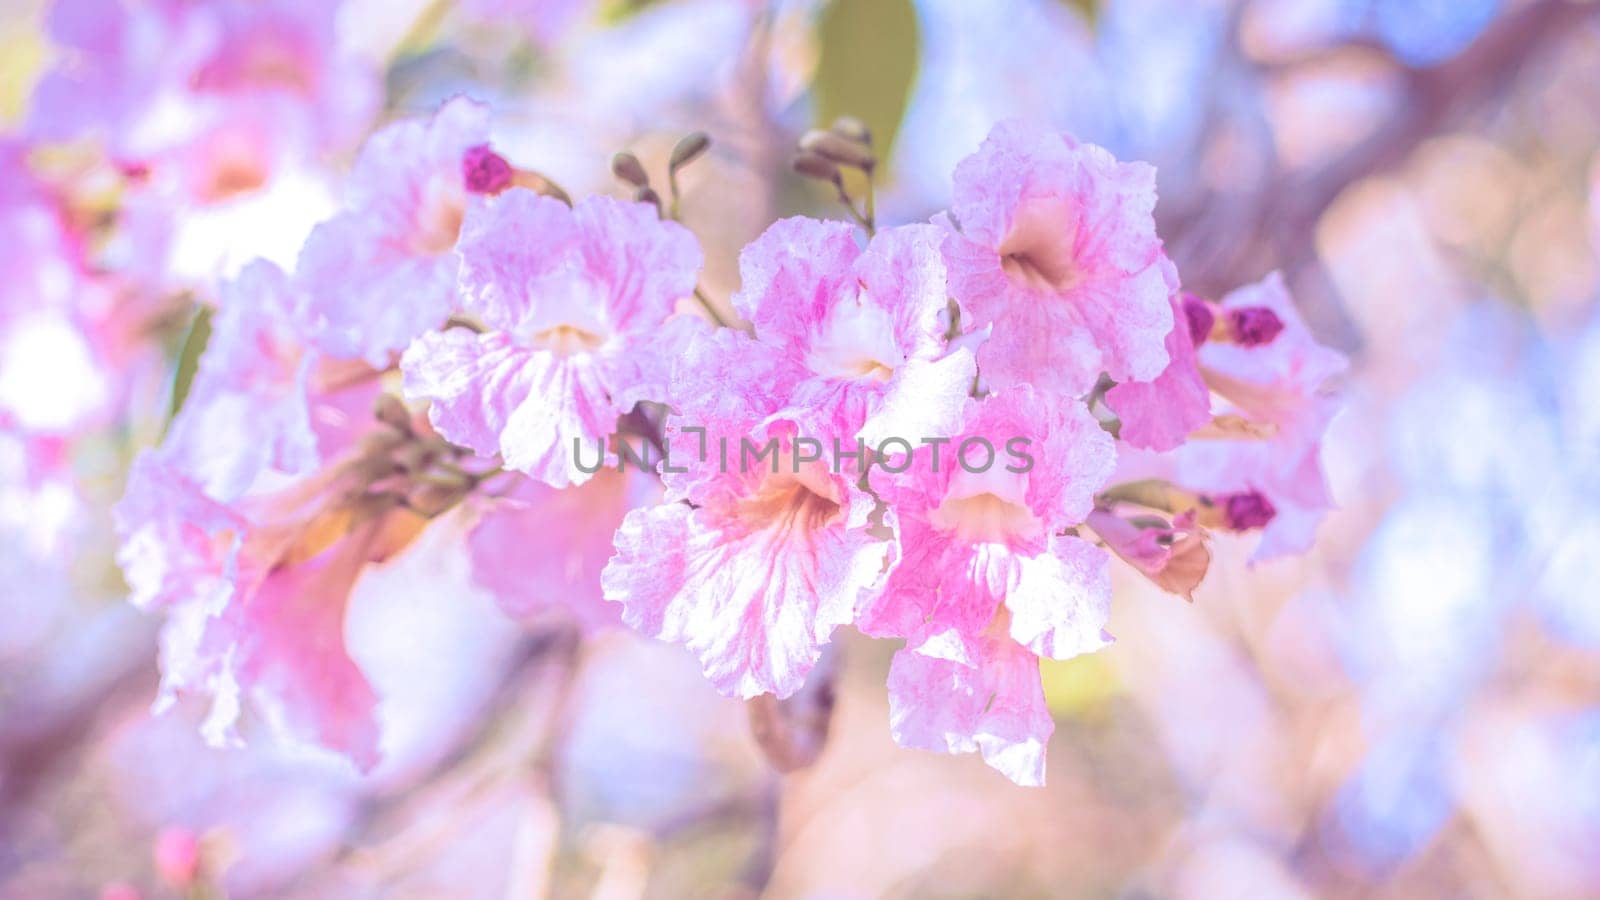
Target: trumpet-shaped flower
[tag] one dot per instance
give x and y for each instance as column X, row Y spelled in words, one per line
column 1053, row 243
column 859, row 334
column 383, row 270
column 988, row 580
column 572, row 301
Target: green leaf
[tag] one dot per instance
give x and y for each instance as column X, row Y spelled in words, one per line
column 867, row 66
column 194, row 344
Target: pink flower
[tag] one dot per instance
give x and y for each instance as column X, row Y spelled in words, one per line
column 262, row 398
column 859, row 335
column 772, row 555
column 765, row 544
column 177, row 855
column 988, row 581
column 533, row 568
column 1263, row 469
column 755, row 576
column 154, row 79
column 1160, row 414
column 249, row 406
column 255, row 599
column 255, row 593
column 1053, row 243
column 57, row 334
column 383, row 271
column 990, row 702
column 571, row 300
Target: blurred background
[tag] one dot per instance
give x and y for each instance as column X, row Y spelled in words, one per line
column 1411, row 710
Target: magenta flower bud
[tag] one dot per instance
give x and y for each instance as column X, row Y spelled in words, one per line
column 485, row 171
column 1252, row 326
column 1248, row 510
column 177, row 855
column 1199, row 316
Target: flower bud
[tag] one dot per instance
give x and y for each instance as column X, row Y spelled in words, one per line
column 1252, row 326
column 853, row 129
column 431, row 499
column 1247, row 510
column 813, row 166
column 392, row 412
column 838, row 149
column 177, row 856
column 485, row 171
column 688, row 150
column 627, row 167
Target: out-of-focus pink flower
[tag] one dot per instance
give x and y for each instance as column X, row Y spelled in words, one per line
column 383, row 271
column 533, row 567
column 275, row 487
column 160, row 79
column 987, row 577
column 1262, row 468
column 218, row 114
column 1159, row 414
column 859, row 334
column 255, row 600
column 263, row 398
column 1053, row 242
column 59, row 330
column 572, row 300
column 249, row 407
column 177, row 855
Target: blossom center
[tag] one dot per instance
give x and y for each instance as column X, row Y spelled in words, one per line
column 787, row 501
column 985, row 518
column 566, row 340
column 1252, row 326
column 1039, row 250
column 855, row 342
column 233, row 166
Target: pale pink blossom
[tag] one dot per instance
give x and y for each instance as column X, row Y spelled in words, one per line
column 755, row 576
column 254, row 595
column 220, row 117
column 1053, row 243
column 262, row 398
column 859, row 335
column 991, row 702
column 383, row 270
column 759, row 551
column 988, row 580
column 572, row 301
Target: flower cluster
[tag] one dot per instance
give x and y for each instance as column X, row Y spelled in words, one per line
column 460, row 330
